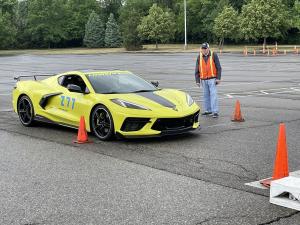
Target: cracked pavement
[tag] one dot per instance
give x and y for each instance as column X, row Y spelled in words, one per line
column 196, row 178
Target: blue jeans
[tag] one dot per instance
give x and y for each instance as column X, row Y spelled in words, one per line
column 210, row 96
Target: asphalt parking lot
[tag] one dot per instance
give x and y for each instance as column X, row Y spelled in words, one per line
column 196, row 178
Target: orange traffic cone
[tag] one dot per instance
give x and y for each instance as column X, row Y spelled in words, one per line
column 82, row 136
column 281, row 167
column 237, row 116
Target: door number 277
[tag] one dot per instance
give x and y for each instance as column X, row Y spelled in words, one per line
column 67, row 101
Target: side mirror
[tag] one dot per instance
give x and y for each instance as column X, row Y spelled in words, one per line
column 155, row 83
column 74, row 88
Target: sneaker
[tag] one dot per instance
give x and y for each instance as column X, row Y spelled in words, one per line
column 215, row 115
column 206, row 113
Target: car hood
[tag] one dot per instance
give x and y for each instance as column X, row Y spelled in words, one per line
column 165, row 99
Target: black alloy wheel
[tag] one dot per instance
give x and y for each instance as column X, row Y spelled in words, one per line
column 102, row 123
column 25, row 111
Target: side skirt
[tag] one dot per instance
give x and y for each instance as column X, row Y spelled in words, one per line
column 46, row 120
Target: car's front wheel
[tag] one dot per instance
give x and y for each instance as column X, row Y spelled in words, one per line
column 26, row 111
column 102, row 123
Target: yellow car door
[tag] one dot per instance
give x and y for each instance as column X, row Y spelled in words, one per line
column 72, row 102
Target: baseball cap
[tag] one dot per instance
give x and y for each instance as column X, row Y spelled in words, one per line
column 205, row 45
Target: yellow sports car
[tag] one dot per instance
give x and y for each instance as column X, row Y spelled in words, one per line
column 112, row 103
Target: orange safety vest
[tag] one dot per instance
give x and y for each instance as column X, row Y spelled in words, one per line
column 207, row 70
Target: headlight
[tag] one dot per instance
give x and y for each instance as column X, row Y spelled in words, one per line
column 130, row 105
column 190, row 101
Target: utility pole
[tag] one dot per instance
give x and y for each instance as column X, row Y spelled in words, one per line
column 185, row 30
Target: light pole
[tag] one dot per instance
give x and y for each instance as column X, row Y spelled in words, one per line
column 185, row 31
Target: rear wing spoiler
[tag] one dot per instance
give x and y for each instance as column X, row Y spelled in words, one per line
column 18, row 78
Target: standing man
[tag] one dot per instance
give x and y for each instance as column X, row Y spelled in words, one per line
column 208, row 74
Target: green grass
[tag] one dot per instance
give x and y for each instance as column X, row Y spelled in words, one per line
column 170, row 48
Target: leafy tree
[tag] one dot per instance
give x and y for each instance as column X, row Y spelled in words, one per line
column 263, row 19
column 7, row 31
column 130, row 17
column 94, row 32
column 237, row 4
column 78, row 15
column 112, row 33
column 296, row 19
column 110, row 6
column 61, row 23
column 165, row 3
column 23, row 36
column 226, row 24
column 46, row 22
column 200, row 18
column 8, row 6
column 289, row 3
column 131, row 39
column 158, row 25
column 7, row 23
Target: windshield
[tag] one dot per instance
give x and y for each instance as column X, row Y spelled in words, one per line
column 119, row 83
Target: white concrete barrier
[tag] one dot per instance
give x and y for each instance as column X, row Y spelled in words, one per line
column 286, row 192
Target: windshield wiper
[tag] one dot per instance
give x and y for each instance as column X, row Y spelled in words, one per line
column 138, row 91
column 113, row 92
column 143, row 91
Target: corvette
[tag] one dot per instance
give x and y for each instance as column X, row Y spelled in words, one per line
column 113, row 103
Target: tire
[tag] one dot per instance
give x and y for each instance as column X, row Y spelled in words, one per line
column 102, row 123
column 26, row 111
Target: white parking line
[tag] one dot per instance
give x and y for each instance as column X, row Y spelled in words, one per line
column 6, row 110
column 246, row 83
column 226, row 85
column 234, row 84
column 229, row 96
column 263, row 92
column 275, row 89
column 282, row 92
column 295, row 89
column 258, row 93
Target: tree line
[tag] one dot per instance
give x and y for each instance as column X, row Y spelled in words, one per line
column 131, row 23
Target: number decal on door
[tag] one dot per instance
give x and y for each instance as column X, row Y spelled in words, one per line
column 65, row 102
column 62, row 100
column 68, row 100
column 73, row 103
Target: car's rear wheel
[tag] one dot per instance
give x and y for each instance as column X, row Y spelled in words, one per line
column 26, row 111
column 102, row 123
